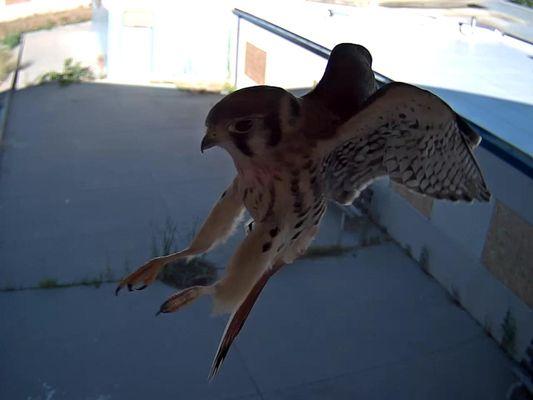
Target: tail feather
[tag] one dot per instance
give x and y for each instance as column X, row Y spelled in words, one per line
column 237, row 320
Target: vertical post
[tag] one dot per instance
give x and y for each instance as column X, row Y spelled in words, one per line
column 237, row 51
column 9, row 94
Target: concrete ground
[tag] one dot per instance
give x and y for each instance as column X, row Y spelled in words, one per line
column 89, row 172
column 47, row 50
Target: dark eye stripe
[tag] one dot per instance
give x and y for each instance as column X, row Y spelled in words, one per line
column 241, row 142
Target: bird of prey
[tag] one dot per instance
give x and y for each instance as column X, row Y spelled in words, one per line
column 293, row 155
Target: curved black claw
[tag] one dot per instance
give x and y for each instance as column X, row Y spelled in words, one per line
column 142, row 287
column 130, row 287
column 117, row 290
column 161, row 311
column 162, row 308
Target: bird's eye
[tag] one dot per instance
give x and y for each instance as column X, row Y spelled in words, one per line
column 243, row 125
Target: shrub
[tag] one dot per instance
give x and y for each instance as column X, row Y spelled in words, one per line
column 73, row 72
column 12, row 40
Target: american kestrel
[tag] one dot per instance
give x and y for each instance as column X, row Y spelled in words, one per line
column 293, row 155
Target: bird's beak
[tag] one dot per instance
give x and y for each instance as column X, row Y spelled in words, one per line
column 208, row 141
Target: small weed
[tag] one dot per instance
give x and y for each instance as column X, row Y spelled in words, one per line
column 455, row 296
column 487, row 327
column 508, row 326
column 127, row 265
column 96, row 281
column 408, row 251
column 164, row 241
column 525, row 3
column 108, row 275
column 228, row 88
column 371, row 241
column 12, row 40
column 48, row 283
column 424, row 260
column 49, row 24
column 73, row 72
column 327, row 251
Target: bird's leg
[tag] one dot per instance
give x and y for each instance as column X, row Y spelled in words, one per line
column 253, row 257
column 184, row 297
column 217, row 227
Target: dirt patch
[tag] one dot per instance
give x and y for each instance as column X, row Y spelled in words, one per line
column 44, row 21
column 185, row 274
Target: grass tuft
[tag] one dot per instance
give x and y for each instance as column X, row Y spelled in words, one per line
column 509, row 334
column 327, row 251
column 12, row 40
column 455, row 296
column 424, row 260
column 48, row 283
column 183, row 273
column 73, row 72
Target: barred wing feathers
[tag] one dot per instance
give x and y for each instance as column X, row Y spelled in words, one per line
column 413, row 137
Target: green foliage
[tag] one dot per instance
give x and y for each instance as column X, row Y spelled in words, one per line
column 509, row 333
column 455, row 296
column 164, row 240
column 7, row 64
column 371, row 241
column 48, row 283
column 424, row 260
column 526, row 3
column 12, row 40
column 487, row 326
column 228, row 88
column 96, row 282
column 73, row 72
column 408, row 251
column 327, row 251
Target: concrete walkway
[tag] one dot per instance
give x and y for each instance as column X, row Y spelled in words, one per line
column 89, row 170
column 46, row 50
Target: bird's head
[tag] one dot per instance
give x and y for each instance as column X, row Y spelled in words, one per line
column 252, row 122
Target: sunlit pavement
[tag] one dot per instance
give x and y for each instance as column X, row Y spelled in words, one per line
column 87, row 174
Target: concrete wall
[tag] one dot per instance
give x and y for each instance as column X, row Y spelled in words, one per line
column 287, row 65
column 481, row 253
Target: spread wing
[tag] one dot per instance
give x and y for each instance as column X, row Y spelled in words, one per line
column 413, row 137
column 347, row 82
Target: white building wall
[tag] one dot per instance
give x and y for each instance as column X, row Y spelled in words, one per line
column 175, row 41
